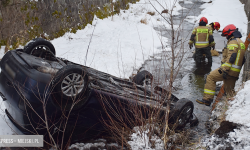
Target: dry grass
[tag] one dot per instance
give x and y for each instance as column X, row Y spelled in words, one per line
column 223, row 108
column 144, row 21
column 151, row 13
column 218, row 115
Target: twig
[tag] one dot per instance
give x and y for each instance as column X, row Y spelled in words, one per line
column 89, row 44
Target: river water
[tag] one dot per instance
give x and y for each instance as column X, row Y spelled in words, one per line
column 189, row 82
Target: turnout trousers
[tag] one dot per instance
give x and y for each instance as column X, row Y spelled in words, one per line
column 210, row 85
column 199, row 54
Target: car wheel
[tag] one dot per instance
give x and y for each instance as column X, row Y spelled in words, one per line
column 193, row 120
column 182, row 112
column 143, row 78
column 39, row 47
column 70, row 87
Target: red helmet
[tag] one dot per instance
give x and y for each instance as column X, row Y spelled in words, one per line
column 204, row 19
column 216, row 25
column 228, row 30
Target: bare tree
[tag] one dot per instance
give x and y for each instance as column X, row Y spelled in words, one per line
column 177, row 53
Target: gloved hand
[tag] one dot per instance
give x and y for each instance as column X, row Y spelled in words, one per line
column 190, row 46
column 213, row 47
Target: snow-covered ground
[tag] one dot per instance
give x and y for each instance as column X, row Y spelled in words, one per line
column 120, row 44
column 116, row 45
column 238, row 111
column 225, row 12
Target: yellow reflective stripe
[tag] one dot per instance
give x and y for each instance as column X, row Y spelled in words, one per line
column 207, row 91
column 237, row 58
column 231, row 48
column 242, row 46
column 232, row 45
column 235, row 45
column 197, row 37
column 202, row 30
column 207, row 37
column 235, row 69
column 201, row 44
column 227, row 64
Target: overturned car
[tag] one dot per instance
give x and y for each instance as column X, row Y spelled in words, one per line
column 44, row 93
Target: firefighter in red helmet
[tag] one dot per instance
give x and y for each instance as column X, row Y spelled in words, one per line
column 230, row 68
column 214, row 26
column 202, row 38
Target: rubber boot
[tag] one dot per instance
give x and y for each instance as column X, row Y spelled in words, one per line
column 203, row 101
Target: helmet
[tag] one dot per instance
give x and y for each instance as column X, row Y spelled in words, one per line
column 228, row 30
column 204, row 19
column 216, row 25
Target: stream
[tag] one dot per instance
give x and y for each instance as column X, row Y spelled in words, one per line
column 189, row 82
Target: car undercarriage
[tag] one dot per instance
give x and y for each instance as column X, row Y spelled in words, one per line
column 43, row 93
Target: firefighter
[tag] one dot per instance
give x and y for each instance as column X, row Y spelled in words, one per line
column 214, row 26
column 229, row 71
column 202, row 38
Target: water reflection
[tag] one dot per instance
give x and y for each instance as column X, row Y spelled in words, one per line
column 199, row 75
column 202, row 68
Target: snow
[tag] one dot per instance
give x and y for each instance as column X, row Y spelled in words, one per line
column 4, row 121
column 120, row 44
column 82, row 146
column 188, row 2
column 225, row 12
column 140, row 140
column 238, row 140
column 239, row 110
column 117, row 45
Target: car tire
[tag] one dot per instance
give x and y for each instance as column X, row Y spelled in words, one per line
column 193, row 120
column 36, row 46
column 182, row 112
column 143, row 78
column 70, row 86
